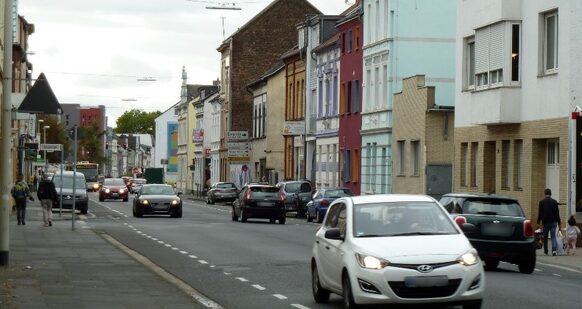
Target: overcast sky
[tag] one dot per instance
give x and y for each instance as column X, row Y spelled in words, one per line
column 92, row 51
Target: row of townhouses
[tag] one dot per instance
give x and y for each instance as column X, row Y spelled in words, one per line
column 426, row 96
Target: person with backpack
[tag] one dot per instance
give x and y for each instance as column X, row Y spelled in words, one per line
column 47, row 195
column 20, row 192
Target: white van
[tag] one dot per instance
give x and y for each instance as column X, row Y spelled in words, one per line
column 81, row 198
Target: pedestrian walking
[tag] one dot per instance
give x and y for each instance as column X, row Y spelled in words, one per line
column 47, row 194
column 572, row 234
column 20, row 192
column 549, row 216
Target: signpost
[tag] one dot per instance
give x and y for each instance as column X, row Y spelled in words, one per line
column 238, row 146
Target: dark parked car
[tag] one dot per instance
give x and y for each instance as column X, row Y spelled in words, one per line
column 136, row 184
column 222, row 192
column 259, row 201
column 296, row 194
column 317, row 207
column 157, row 199
column 503, row 233
column 113, row 188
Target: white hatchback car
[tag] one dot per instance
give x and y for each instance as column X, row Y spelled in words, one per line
column 401, row 249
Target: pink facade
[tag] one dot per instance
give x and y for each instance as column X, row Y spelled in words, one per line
column 350, row 140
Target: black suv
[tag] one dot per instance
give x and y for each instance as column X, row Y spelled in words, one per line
column 502, row 231
column 296, row 194
column 258, row 201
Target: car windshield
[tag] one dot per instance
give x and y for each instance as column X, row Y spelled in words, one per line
column 298, row 187
column 139, row 181
column 114, row 182
column 401, row 219
column 157, row 190
column 337, row 193
column 225, row 186
column 262, row 192
column 492, row 207
column 68, row 182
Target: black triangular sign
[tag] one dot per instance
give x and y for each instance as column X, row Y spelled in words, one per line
column 40, row 99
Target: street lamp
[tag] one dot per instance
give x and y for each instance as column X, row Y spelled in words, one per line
column 45, row 161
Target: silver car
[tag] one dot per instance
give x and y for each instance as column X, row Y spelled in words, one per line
column 64, row 186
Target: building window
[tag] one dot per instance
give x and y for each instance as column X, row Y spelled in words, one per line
column 470, row 63
column 357, row 38
column 349, row 98
column 355, row 165
column 518, row 164
column 384, row 173
column 335, row 95
column 347, row 166
column 343, row 99
column 350, row 41
column 368, row 166
column 401, row 158
column 550, row 41
column 496, row 77
column 415, row 152
column 464, row 163
column 343, row 43
column 505, row 146
column 515, row 49
column 356, row 96
column 482, row 80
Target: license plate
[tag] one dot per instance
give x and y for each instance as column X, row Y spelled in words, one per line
column 114, row 194
column 426, row 281
column 496, row 229
column 264, row 204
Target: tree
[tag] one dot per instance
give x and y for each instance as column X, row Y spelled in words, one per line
column 90, row 145
column 55, row 135
column 136, row 121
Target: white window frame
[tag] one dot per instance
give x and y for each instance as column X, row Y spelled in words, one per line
column 547, row 16
column 415, row 154
column 482, row 81
column 401, row 158
column 470, row 63
column 496, row 78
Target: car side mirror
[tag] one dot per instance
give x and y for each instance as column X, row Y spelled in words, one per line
column 469, row 228
column 333, row 233
column 180, row 193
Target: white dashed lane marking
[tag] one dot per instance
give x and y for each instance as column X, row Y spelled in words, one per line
column 192, row 256
column 183, row 252
column 241, row 279
column 279, row 296
column 299, row 306
column 258, row 287
column 202, row 262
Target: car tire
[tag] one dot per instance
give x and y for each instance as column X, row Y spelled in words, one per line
column 527, row 266
column 101, row 199
column 320, row 294
column 125, row 199
column 84, row 211
column 282, row 220
column 272, row 220
column 491, row 264
column 234, row 216
column 207, row 200
column 309, row 217
column 177, row 215
column 243, row 217
column 138, row 214
column 210, row 201
column 318, row 217
column 473, row 304
column 348, row 296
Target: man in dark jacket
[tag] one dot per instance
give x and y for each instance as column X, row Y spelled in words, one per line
column 549, row 216
column 47, row 194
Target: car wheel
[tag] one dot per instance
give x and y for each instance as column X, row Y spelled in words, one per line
column 125, row 199
column 207, row 200
column 491, row 264
column 473, row 305
column 243, row 217
column 133, row 211
column 101, row 199
column 320, row 294
column 210, row 201
column 138, row 214
column 84, row 211
column 309, row 217
column 348, row 297
column 234, row 216
column 318, row 217
column 282, row 220
column 527, row 266
column 177, row 215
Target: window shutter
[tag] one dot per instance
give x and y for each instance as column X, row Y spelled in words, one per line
column 482, row 50
column 496, row 46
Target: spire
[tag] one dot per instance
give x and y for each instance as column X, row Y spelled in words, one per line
column 184, row 92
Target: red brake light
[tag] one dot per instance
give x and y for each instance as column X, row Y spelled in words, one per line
column 460, row 220
column 324, row 203
column 528, row 230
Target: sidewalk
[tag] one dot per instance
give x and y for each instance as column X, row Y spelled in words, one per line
column 569, row 261
column 55, row 267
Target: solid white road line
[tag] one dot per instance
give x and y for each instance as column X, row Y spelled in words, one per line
column 560, row 267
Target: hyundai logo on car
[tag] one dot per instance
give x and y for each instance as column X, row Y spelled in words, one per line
column 424, row 268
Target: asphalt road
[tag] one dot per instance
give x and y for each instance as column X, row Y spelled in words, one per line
column 262, row 265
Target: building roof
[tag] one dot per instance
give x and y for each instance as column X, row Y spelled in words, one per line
column 266, row 9
column 351, row 13
column 270, row 72
column 333, row 40
column 41, row 99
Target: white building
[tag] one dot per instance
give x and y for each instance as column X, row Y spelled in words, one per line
column 215, row 132
column 166, row 149
column 518, row 82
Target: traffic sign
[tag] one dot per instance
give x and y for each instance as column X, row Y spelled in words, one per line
column 51, row 147
column 237, row 135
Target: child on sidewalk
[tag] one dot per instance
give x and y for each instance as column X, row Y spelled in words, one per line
column 572, row 233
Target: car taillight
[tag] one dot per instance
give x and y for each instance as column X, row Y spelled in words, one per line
column 282, row 196
column 248, row 195
column 324, row 203
column 460, row 220
column 528, row 230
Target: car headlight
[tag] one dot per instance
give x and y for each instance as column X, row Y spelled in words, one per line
column 469, row 258
column 175, row 202
column 107, row 190
column 145, row 202
column 371, row 262
column 121, row 191
column 95, row 186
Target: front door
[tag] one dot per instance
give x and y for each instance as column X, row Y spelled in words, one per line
column 553, row 168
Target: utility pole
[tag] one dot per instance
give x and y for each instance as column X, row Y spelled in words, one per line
column 5, row 148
